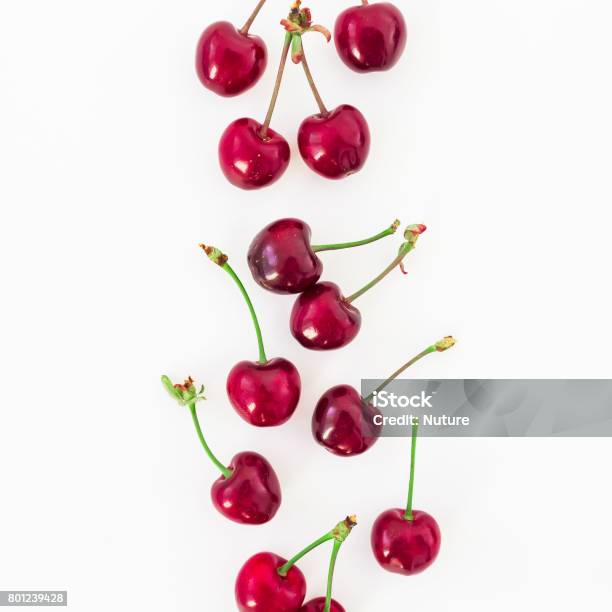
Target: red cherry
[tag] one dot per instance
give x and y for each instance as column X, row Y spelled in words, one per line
column 335, row 144
column 343, row 422
column 269, row 583
column 402, row 546
column 264, row 394
column 260, row 588
column 250, row 161
column 318, row 605
column 281, row 258
column 408, row 541
column 248, row 490
column 322, row 319
column 251, row 154
column 252, row 494
column 370, row 37
column 229, row 61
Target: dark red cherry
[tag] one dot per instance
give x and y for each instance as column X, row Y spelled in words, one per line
column 264, row 394
column 248, row 490
column 260, row 588
column 322, row 319
column 370, row 37
column 229, row 61
column 247, row 159
column 343, row 422
column 402, row 546
column 281, row 258
column 335, row 144
column 252, row 494
column 318, row 605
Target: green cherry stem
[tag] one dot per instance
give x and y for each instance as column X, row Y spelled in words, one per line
column 187, row 394
column 330, row 575
column 415, row 428
column 216, row 256
column 438, row 347
column 412, row 234
column 277, row 85
column 247, row 26
column 349, row 245
column 339, row 533
column 282, row 571
column 194, row 415
column 247, row 299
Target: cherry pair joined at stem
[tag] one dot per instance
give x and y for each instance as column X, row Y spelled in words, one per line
column 229, row 61
column 248, row 490
column 333, row 143
column 323, row 319
column 370, row 37
column 344, row 422
column 269, row 583
column 406, row 541
column 265, row 393
column 283, row 260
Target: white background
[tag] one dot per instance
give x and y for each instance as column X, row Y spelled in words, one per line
column 494, row 130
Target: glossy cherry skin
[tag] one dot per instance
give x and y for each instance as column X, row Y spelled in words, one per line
column 229, row 62
column 264, row 394
column 343, row 422
column 405, row 547
column 252, row 494
column 322, row 319
column 371, row 37
column 335, row 145
column 259, row 587
column 318, row 605
column 281, row 258
column 250, row 161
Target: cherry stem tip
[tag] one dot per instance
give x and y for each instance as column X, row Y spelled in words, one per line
column 185, row 393
column 214, row 254
column 339, row 533
column 445, row 344
column 411, row 235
